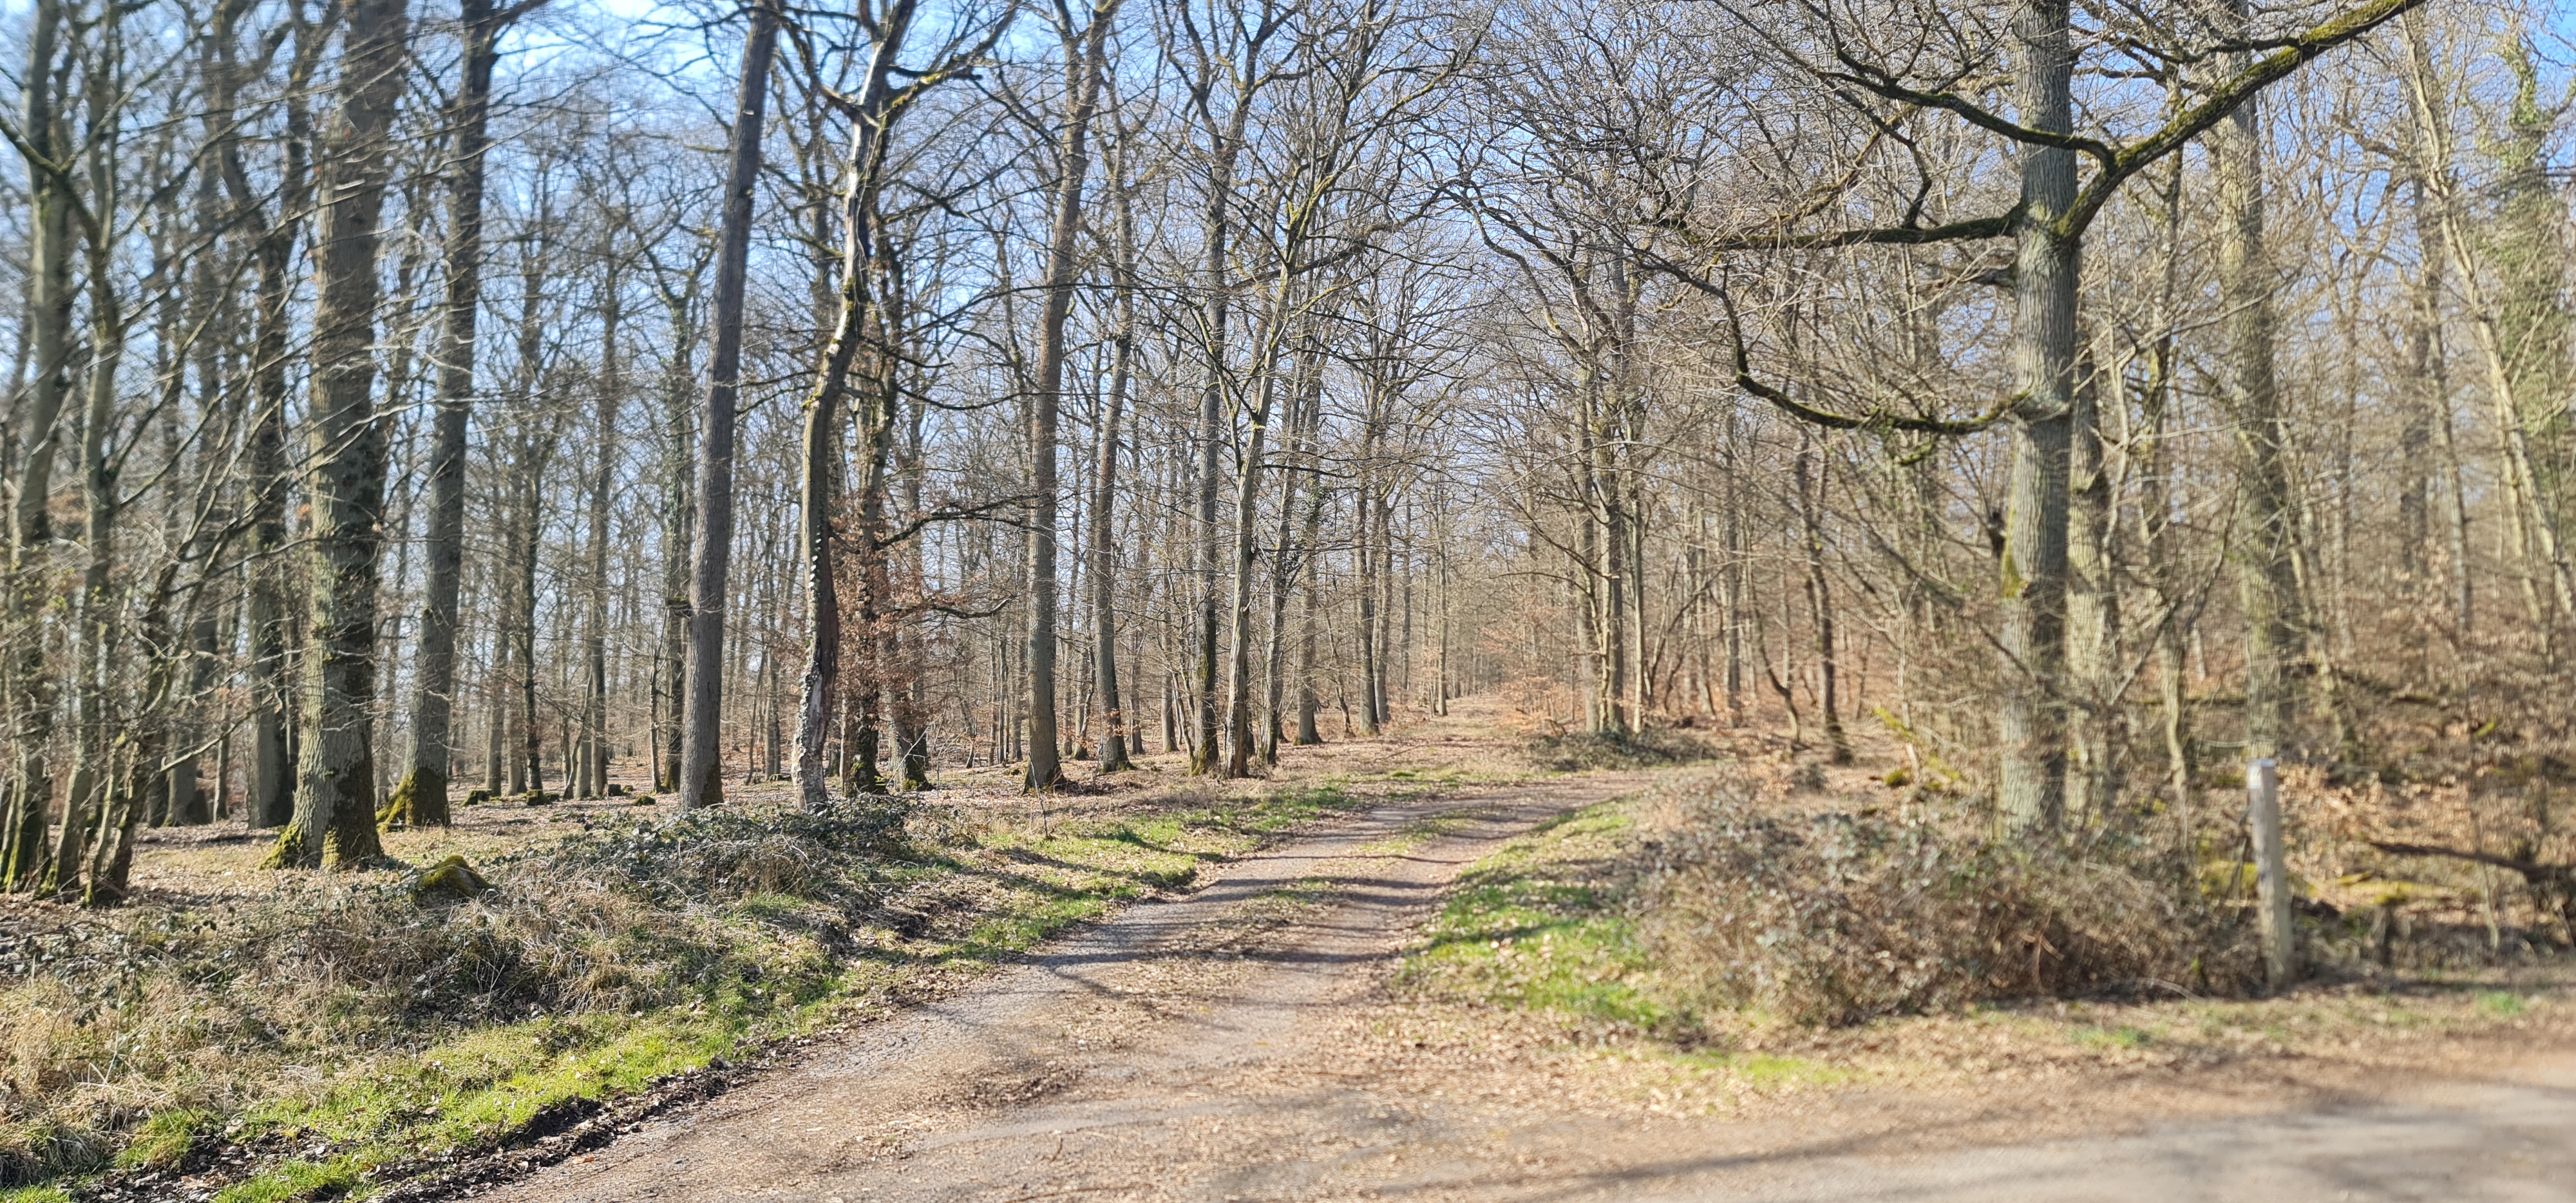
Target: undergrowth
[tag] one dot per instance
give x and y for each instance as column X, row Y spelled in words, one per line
column 1842, row 916
column 1651, row 748
column 1705, row 910
column 1696, row 910
column 341, row 1024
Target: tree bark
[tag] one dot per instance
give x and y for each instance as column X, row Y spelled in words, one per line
column 2267, row 577
column 1246, row 550
column 270, row 800
column 49, row 303
column 2031, row 783
column 592, row 776
column 1288, row 562
column 701, row 754
column 421, row 799
column 1085, row 62
column 98, row 643
column 2520, row 477
column 1820, row 599
column 2093, row 641
column 1114, row 725
column 819, row 688
column 334, row 824
column 1224, row 149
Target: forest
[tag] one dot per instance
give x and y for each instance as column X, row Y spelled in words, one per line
column 778, row 414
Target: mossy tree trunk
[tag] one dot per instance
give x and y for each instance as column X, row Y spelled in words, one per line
column 334, row 826
column 31, row 689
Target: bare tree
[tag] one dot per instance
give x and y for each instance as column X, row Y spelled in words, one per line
column 701, row 780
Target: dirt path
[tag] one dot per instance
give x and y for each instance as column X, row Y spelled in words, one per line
column 1188, row 1051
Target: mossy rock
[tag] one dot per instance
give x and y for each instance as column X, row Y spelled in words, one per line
column 450, row 880
column 477, row 797
column 644, row 799
column 538, row 797
column 615, row 790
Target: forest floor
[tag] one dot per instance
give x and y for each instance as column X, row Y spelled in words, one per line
column 1399, row 1003
column 248, row 1035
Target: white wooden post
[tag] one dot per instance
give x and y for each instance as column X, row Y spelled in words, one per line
column 2272, row 881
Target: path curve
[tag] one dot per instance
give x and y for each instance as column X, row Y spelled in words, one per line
column 1028, row 1084
column 1186, row 1051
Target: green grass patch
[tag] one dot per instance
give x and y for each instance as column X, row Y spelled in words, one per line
column 164, row 1140
column 35, row 1194
column 2117, row 1037
column 293, row 1181
column 1762, row 1071
column 496, row 1081
column 2497, row 1002
column 1530, row 928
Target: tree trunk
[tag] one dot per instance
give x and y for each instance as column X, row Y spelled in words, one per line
column 2266, row 543
column 97, row 646
column 1225, row 147
column 1114, row 755
column 49, row 304
column 2430, row 421
column 592, row 772
column 819, row 687
column 679, row 513
column 2093, row 645
column 135, row 756
column 1820, row 599
column 1247, row 513
column 1365, row 563
column 334, row 824
column 270, row 800
column 701, row 754
column 1288, row 561
column 2521, row 478
column 210, row 308
column 2031, row 784
column 1084, row 67
column 1309, row 699
column 421, row 799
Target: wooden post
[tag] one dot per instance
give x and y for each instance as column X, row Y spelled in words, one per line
column 2263, row 790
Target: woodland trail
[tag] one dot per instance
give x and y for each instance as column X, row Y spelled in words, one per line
column 1198, row 1049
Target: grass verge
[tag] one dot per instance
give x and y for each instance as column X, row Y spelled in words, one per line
column 1545, row 963
column 347, row 1033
